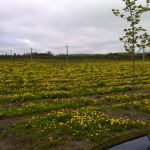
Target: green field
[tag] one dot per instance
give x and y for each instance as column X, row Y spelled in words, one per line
column 86, row 104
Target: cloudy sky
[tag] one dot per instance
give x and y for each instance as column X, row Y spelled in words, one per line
column 86, row 26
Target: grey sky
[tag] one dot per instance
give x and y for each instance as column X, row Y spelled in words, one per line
column 86, row 26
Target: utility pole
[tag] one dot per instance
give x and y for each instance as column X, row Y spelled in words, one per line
column 31, row 54
column 67, row 54
column 11, row 54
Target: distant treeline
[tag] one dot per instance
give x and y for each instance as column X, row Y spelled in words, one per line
column 49, row 55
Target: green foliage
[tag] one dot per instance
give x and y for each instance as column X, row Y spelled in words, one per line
column 135, row 35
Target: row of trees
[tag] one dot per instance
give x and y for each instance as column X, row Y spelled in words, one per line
column 27, row 54
column 110, row 56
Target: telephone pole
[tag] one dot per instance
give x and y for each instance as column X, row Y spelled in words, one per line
column 31, row 54
column 67, row 54
column 11, row 54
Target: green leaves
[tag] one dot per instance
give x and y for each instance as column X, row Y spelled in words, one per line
column 121, row 15
column 129, row 18
column 135, row 36
column 116, row 12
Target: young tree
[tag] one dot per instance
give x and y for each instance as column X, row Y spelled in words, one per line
column 135, row 36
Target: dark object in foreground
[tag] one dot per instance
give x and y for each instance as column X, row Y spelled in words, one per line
column 149, row 140
column 142, row 143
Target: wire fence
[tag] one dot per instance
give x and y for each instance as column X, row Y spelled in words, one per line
column 57, row 50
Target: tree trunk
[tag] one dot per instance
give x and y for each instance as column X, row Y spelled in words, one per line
column 133, row 85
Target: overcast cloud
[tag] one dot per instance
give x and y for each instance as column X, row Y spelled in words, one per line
column 86, row 26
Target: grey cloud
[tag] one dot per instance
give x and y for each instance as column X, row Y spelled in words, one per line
column 50, row 24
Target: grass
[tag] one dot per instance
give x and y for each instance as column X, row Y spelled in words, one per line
column 85, row 105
